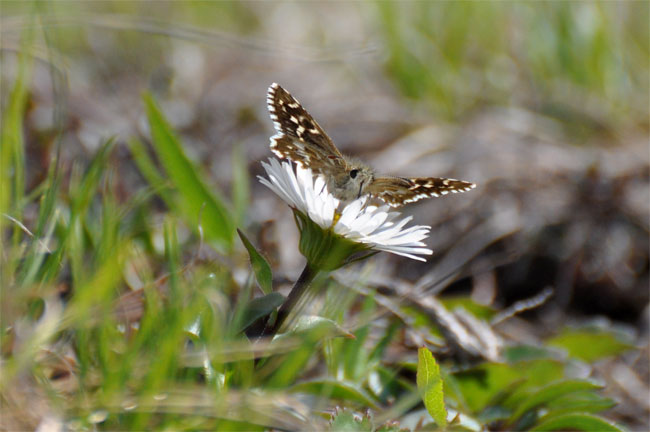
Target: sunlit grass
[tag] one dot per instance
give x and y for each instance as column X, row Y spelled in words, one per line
column 557, row 57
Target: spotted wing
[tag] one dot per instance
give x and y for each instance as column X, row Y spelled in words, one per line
column 299, row 138
column 397, row 191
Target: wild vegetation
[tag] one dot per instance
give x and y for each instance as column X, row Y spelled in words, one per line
column 141, row 257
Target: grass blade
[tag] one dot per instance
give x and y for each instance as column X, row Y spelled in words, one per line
column 194, row 195
column 261, row 267
column 12, row 153
column 577, row 422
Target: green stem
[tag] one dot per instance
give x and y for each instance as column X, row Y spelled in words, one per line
column 299, row 288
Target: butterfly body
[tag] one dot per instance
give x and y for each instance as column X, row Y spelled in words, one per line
column 300, row 139
column 351, row 183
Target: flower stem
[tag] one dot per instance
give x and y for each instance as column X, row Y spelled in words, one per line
column 299, row 288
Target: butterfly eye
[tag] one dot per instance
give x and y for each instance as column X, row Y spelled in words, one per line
column 354, row 173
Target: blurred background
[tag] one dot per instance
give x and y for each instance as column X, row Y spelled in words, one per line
column 543, row 105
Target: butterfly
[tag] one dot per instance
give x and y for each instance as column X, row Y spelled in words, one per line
column 300, row 139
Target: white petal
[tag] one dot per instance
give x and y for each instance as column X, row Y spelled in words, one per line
column 378, row 227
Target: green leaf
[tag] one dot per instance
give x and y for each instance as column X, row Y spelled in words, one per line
column 261, row 267
column 429, row 384
column 518, row 353
column 533, row 375
column 590, row 344
column 345, row 421
column 582, row 422
column 260, row 307
column 316, row 328
column 549, row 393
column 582, row 401
column 195, row 198
column 479, row 385
column 342, row 391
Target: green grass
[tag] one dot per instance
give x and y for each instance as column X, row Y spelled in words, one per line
column 179, row 357
column 559, row 58
column 113, row 319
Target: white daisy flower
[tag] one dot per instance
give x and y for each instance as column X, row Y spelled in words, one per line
column 367, row 226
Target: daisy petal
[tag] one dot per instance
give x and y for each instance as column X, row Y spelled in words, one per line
column 378, row 228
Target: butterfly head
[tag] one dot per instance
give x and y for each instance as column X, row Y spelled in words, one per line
column 352, row 182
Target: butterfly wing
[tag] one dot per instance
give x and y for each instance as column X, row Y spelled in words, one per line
column 299, row 138
column 397, row 191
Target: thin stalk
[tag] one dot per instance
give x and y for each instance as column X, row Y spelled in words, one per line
column 298, row 290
